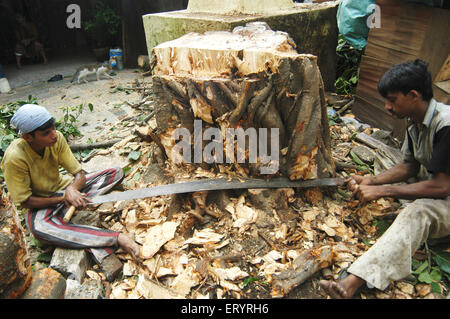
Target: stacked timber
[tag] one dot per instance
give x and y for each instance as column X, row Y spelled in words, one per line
column 251, row 79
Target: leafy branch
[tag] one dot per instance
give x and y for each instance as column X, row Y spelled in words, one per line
column 66, row 125
column 347, row 73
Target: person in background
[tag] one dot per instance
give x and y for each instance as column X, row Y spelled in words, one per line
column 28, row 44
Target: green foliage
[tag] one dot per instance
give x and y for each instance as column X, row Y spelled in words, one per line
column 249, row 280
column 433, row 270
column 45, row 257
column 103, row 27
column 443, row 261
column 347, row 73
column 121, row 89
column 381, row 226
column 66, row 125
column 361, row 165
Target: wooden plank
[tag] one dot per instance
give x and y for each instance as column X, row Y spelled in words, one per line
column 441, row 91
column 444, row 73
column 373, row 115
column 408, row 31
column 402, row 32
column 436, row 46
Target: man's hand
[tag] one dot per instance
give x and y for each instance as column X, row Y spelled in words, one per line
column 354, row 182
column 363, row 188
column 366, row 193
column 74, row 197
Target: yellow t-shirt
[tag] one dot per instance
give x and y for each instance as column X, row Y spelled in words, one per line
column 28, row 173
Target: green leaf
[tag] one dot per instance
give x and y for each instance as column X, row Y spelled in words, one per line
column 343, row 193
column 250, row 280
column 137, row 176
column 134, row 155
column 126, row 170
column 356, row 159
column 436, row 288
column 436, row 274
column 381, row 225
column 421, row 268
column 443, row 261
column 44, row 258
column 425, row 277
column 91, row 106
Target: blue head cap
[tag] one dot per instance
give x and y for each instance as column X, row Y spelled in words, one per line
column 30, row 117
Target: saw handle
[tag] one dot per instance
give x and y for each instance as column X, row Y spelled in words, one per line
column 69, row 214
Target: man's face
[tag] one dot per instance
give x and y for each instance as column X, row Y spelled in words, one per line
column 42, row 139
column 399, row 105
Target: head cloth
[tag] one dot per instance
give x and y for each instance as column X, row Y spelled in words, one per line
column 30, row 117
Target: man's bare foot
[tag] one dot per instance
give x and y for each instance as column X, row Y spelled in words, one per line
column 129, row 245
column 344, row 289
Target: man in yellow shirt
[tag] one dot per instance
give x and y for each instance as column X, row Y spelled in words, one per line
column 31, row 169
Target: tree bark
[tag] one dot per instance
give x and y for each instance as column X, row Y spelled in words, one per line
column 246, row 79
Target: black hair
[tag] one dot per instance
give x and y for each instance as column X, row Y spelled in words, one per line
column 407, row 76
column 43, row 127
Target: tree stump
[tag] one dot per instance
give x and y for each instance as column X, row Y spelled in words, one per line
column 249, row 79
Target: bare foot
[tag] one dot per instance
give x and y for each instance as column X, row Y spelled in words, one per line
column 129, row 245
column 333, row 289
column 344, row 289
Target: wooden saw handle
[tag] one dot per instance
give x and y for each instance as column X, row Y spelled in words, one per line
column 69, row 214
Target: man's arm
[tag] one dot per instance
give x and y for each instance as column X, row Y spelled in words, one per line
column 437, row 187
column 399, row 173
column 41, row 202
column 72, row 196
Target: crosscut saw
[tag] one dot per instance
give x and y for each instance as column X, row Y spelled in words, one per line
column 209, row 185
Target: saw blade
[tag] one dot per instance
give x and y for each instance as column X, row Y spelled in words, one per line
column 213, row 184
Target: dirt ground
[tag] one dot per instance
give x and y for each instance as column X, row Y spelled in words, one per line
column 108, row 107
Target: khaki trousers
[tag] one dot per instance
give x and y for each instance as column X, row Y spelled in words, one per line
column 389, row 259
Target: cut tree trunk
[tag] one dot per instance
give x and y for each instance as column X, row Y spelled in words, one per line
column 249, row 78
column 15, row 266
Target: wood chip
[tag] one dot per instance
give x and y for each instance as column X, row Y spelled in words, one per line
column 157, row 236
